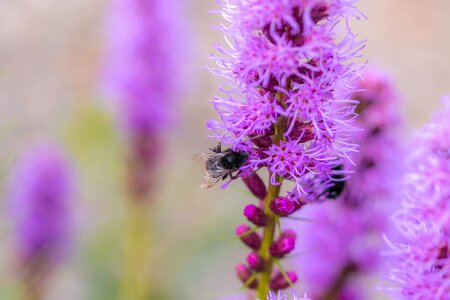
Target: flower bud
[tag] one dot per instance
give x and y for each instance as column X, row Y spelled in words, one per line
column 244, row 274
column 284, row 244
column 279, row 281
column 283, row 206
column 255, row 262
column 255, row 184
column 255, row 215
column 252, row 239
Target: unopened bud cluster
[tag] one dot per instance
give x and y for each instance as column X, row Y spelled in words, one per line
column 280, row 247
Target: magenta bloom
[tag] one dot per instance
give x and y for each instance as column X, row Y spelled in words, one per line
column 41, row 190
column 421, row 256
column 142, row 63
column 286, row 65
column 286, row 103
column 346, row 238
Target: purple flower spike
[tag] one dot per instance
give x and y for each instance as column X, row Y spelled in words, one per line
column 252, row 240
column 343, row 258
column 284, row 245
column 244, row 274
column 283, row 206
column 41, row 195
column 279, row 281
column 421, row 256
column 255, row 215
column 255, row 262
column 255, row 185
column 142, row 62
column 289, row 68
column 286, row 70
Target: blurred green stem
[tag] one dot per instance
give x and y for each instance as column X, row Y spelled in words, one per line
column 135, row 277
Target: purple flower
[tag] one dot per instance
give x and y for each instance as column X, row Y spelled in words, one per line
column 142, row 62
column 287, row 71
column 345, row 240
column 421, row 256
column 144, row 54
column 41, row 190
column 286, row 104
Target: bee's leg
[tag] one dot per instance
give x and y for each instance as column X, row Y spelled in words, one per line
column 225, row 176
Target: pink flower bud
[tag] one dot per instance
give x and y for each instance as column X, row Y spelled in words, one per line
column 256, row 262
column 255, row 215
column 284, row 244
column 255, row 185
column 284, row 207
column 244, row 274
column 279, row 282
column 252, row 240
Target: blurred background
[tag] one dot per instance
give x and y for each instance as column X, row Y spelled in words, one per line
column 50, row 62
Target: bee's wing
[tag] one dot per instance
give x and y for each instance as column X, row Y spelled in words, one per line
column 201, row 158
column 210, row 178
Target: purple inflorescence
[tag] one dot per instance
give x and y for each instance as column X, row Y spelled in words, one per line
column 142, row 67
column 286, row 102
column 287, row 71
column 40, row 195
column 347, row 235
column 421, row 256
column 142, row 62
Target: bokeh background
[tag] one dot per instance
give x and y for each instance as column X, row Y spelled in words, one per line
column 50, row 59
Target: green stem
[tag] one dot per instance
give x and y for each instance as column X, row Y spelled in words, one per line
column 135, row 281
column 269, row 229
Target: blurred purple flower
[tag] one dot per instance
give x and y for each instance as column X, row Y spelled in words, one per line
column 41, row 191
column 346, row 239
column 421, row 256
column 144, row 57
column 142, row 63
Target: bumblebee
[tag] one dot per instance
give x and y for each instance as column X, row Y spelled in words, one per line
column 220, row 165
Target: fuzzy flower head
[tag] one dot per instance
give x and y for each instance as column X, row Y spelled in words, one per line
column 142, row 61
column 41, row 191
column 288, row 82
column 421, row 255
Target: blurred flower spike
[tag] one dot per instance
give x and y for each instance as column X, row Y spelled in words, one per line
column 41, row 195
column 338, row 266
column 420, row 254
column 145, row 52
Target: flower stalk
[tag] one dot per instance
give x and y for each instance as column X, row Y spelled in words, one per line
column 286, row 106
